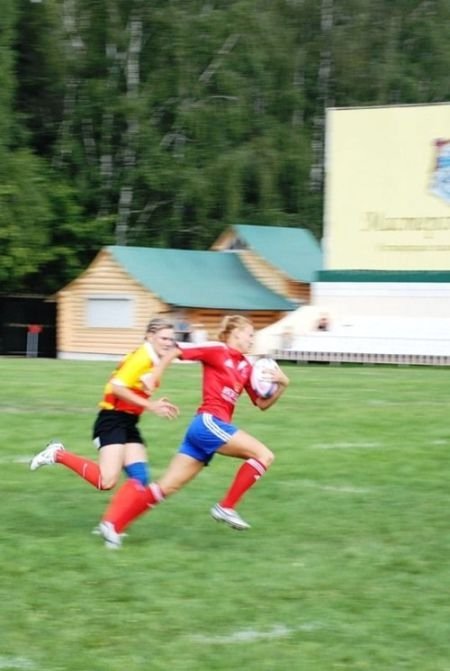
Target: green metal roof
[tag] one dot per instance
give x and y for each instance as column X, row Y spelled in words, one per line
column 199, row 279
column 294, row 251
column 438, row 276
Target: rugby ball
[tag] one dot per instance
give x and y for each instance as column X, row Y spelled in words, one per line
column 258, row 377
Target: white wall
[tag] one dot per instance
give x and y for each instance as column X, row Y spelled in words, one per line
column 345, row 300
column 410, row 319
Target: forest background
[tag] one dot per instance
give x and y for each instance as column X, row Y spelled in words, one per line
column 160, row 122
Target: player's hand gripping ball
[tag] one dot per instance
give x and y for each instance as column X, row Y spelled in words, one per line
column 261, row 377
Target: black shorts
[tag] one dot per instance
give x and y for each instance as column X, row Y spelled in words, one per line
column 113, row 427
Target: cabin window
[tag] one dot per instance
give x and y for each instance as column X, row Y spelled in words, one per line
column 111, row 312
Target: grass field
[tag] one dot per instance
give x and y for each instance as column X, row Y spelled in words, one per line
column 346, row 566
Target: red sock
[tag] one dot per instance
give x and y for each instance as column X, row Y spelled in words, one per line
column 245, row 478
column 131, row 501
column 87, row 469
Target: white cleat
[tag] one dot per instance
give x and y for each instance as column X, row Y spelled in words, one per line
column 96, row 531
column 228, row 516
column 46, row 457
column 113, row 540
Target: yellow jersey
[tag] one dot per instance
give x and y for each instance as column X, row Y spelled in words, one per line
column 131, row 373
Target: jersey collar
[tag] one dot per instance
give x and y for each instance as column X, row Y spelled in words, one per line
column 151, row 352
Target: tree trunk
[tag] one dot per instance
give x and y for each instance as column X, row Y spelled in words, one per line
column 132, row 130
column 316, row 175
column 73, row 46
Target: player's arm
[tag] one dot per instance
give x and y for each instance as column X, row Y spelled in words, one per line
column 127, row 376
column 158, row 371
column 162, row 407
column 282, row 381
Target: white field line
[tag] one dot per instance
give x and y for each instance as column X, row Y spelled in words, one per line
column 19, row 459
column 365, row 446
column 339, row 489
column 407, row 402
column 251, row 635
column 345, row 489
column 345, row 446
column 20, row 663
column 16, row 410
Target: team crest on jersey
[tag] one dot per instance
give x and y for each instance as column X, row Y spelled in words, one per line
column 229, row 363
column 230, row 395
column 440, row 178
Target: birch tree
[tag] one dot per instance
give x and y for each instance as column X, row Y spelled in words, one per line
column 132, row 64
column 322, row 100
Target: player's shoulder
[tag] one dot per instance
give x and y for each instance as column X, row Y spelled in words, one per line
column 142, row 355
column 143, row 351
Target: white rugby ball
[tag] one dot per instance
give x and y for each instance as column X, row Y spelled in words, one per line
column 258, row 378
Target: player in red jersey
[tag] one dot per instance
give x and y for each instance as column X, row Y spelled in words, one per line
column 226, row 374
column 116, row 434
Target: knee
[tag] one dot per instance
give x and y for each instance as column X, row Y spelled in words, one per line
column 266, row 458
column 108, row 482
column 109, row 477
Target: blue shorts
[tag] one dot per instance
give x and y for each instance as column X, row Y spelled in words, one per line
column 205, row 435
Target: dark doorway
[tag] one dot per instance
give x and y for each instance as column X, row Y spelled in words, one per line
column 27, row 326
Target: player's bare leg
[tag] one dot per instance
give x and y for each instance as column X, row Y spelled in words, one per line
column 258, row 458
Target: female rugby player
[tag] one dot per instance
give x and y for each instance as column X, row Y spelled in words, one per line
column 115, row 433
column 226, row 373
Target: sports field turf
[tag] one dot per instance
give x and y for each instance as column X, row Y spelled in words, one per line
column 346, row 566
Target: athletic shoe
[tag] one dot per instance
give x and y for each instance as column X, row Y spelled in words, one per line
column 96, row 531
column 229, row 516
column 113, row 540
column 46, row 457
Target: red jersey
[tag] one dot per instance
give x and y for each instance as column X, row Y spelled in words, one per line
column 226, row 373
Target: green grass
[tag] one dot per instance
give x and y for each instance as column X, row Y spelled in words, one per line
column 345, row 567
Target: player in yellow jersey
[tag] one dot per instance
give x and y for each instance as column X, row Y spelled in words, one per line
column 116, row 435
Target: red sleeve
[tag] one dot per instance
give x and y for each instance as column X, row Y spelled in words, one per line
column 207, row 352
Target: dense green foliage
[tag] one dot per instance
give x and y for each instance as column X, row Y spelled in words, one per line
column 345, row 567
column 159, row 123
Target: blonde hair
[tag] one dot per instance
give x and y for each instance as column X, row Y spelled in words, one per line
column 158, row 324
column 231, row 322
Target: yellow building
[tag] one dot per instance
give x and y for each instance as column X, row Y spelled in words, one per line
column 387, row 196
